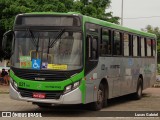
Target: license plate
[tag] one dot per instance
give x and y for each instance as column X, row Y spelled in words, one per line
column 39, row 95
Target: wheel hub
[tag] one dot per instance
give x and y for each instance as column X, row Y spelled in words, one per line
column 99, row 96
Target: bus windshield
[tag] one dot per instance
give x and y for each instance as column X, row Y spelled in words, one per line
column 54, row 50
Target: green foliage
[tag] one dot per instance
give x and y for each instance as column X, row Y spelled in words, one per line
column 153, row 30
column 78, row 6
column 158, row 68
column 95, row 8
column 89, row 10
column 10, row 8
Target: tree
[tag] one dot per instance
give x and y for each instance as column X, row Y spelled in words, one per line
column 97, row 8
column 156, row 31
column 94, row 8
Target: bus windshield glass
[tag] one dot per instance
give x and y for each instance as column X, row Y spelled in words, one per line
column 53, row 50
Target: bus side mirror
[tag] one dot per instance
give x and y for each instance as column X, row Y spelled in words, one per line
column 7, row 39
column 8, row 43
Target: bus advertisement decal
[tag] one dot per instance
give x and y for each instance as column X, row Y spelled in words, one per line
column 25, row 62
column 130, row 61
column 44, row 65
column 36, row 64
column 57, row 67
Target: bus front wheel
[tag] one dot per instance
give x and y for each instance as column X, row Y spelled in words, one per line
column 98, row 104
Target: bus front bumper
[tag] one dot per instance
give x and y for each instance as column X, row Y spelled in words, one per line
column 73, row 97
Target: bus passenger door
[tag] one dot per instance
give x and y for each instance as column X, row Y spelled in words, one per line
column 90, row 65
column 91, row 53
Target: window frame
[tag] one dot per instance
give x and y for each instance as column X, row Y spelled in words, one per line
column 99, row 33
column 149, row 55
column 142, row 38
column 129, row 44
column 154, row 44
column 135, row 44
column 109, row 42
column 120, row 41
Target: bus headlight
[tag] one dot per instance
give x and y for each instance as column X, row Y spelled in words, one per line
column 68, row 89
column 72, row 87
column 13, row 83
column 76, row 84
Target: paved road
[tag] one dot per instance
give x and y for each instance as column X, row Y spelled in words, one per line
column 149, row 102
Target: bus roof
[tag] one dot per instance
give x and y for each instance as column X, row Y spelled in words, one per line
column 99, row 22
column 118, row 27
column 54, row 13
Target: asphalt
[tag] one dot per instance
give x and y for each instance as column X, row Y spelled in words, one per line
column 4, row 89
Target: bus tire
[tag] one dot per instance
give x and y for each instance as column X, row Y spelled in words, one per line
column 99, row 103
column 138, row 93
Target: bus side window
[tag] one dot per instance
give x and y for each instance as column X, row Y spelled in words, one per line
column 105, row 47
column 148, row 46
column 142, row 47
column 92, row 48
column 117, row 43
column 126, row 44
column 154, row 47
column 135, row 46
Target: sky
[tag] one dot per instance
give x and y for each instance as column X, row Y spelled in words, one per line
column 142, row 12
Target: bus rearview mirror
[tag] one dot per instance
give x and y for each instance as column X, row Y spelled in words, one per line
column 7, row 37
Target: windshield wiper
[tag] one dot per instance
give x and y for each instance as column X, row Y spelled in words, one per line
column 32, row 37
column 51, row 43
column 56, row 38
column 48, row 48
column 35, row 43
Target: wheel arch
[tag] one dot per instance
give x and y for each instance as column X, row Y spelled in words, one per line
column 105, row 83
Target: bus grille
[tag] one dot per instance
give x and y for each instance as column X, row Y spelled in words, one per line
column 49, row 95
column 40, row 75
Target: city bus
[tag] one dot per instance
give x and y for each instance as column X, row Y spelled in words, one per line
column 70, row 58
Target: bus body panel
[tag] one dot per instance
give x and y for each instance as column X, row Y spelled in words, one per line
column 73, row 97
column 121, row 74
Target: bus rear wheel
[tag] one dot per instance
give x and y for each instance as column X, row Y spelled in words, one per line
column 138, row 93
column 98, row 104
